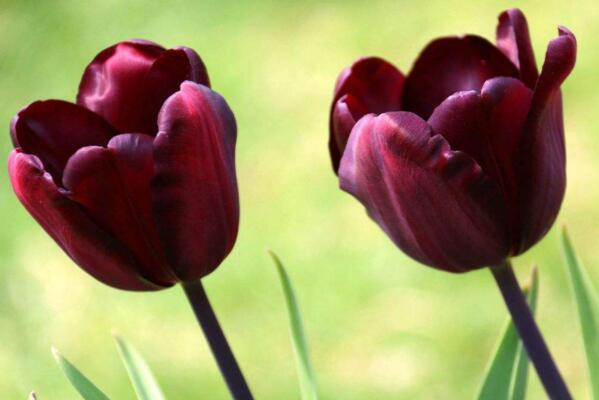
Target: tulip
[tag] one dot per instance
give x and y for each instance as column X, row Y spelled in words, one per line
column 136, row 180
column 462, row 161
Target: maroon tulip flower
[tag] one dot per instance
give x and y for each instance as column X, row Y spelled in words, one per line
column 136, row 180
column 462, row 161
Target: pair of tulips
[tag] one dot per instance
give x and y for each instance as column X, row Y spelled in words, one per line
column 461, row 162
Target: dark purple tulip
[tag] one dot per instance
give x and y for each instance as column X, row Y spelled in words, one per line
column 462, row 161
column 136, row 181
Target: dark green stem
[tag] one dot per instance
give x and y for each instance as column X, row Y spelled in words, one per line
column 216, row 340
column 529, row 332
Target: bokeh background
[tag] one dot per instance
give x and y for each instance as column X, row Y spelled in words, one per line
column 380, row 326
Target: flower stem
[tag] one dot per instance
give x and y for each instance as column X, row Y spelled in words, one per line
column 529, row 332
column 216, row 340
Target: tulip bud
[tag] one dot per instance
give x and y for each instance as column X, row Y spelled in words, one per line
column 136, row 181
column 464, row 166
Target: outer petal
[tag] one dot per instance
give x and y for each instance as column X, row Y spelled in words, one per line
column 513, row 40
column 54, row 129
column 449, row 65
column 90, row 247
column 489, row 126
column 195, row 196
column 436, row 204
column 370, row 85
column 13, row 131
column 542, row 154
column 128, row 82
column 113, row 187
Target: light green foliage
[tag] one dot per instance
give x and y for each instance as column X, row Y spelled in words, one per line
column 300, row 344
column 80, row 382
column 144, row 383
column 588, row 310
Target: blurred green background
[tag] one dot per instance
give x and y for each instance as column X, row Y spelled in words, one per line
column 379, row 325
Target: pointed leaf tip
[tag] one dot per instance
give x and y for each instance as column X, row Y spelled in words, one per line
column 304, row 366
column 85, row 387
column 144, row 383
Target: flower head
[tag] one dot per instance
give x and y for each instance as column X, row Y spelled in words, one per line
column 136, row 180
column 462, row 161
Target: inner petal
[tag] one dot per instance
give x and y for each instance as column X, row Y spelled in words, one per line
column 449, row 65
column 128, row 83
column 53, row 130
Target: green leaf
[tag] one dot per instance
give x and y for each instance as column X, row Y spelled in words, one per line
column 520, row 377
column 84, row 386
column 507, row 372
column 588, row 310
column 144, row 383
column 300, row 345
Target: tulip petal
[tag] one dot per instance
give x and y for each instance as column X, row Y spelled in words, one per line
column 507, row 103
column 343, row 119
column 542, row 153
column 112, row 184
column 488, row 127
column 370, row 85
column 54, row 129
column 128, row 82
column 436, row 204
column 460, row 119
column 513, row 39
column 13, row 131
column 195, row 196
column 449, row 65
column 87, row 244
column 198, row 72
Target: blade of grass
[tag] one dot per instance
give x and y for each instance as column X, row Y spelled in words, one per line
column 520, row 377
column 300, row 345
column 145, row 385
column 84, row 386
column 497, row 384
column 588, row 310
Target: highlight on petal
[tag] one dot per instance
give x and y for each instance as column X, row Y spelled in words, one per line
column 113, row 84
column 542, row 157
column 370, row 85
column 128, row 82
column 88, row 245
column 449, row 65
column 54, row 129
column 194, row 190
column 401, row 172
column 513, row 39
column 112, row 185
